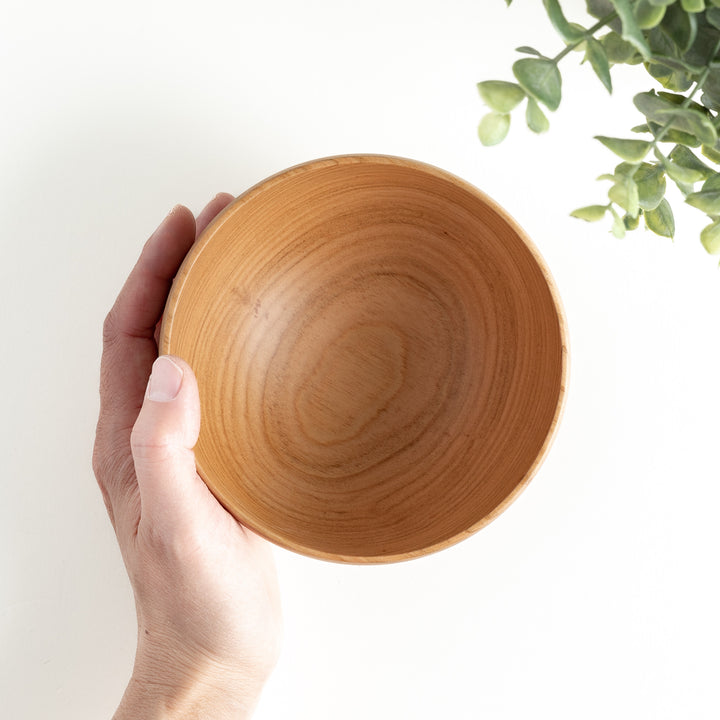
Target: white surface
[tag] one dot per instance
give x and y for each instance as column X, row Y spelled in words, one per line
column 595, row 595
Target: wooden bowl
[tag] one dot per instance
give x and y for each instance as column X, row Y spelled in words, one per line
column 381, row 356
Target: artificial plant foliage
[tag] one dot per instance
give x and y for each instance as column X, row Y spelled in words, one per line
column 677, row 42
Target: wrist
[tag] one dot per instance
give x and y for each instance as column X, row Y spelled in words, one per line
column 200, row 692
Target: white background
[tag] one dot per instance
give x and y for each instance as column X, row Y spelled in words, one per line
column 595, row 595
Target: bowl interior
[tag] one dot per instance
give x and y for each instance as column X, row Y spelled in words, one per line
column 380, row 355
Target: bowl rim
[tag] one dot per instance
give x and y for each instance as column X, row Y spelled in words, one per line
column 165, row 344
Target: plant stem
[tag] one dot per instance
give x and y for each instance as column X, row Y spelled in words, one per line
column 588, row 33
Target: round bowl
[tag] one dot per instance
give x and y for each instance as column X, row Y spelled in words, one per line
column 381, row 357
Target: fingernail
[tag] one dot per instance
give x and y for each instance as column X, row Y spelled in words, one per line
column 165, row 380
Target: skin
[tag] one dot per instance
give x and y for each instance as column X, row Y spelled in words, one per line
column 205, row 587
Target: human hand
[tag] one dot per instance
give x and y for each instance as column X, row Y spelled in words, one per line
column 205, row 587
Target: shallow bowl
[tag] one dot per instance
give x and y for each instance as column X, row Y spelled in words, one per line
column 381, row 356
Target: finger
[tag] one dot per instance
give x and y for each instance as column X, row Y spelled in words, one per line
column 215, row 206
column 128, row 336
column 162, row 441
column 129, row 348
column 142, row 299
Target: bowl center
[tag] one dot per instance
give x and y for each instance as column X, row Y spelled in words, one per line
column 351, row 384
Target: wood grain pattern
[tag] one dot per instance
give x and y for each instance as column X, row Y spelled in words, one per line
column 381, row 356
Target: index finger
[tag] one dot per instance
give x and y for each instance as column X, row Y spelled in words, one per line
column 129, row 346
column 128, row 335
column 142, row 298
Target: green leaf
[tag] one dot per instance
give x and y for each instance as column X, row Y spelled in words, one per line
column 712, row 15
column 679, row 26
column 710, row 238
column 535, row 117
column 711, row 92
column 674, row 136
column 650, row 103
column 684, row 158
column 630, row 222
column 693, row 6
column 650, row 180
column 682, row 176
column 707, row 201
column 678, row 99
column 630, row 30
column 618, row 226
column 493, row 128
column 618, row 51
column 679, row 64
column 664, row 108
column 590, row 213
column 661, row 220
column 702, row 51
column 625, row 170
column 661, row 2
column 541, row 79
column 656, row 107
column 568, row 32
column 625, row 194
column 711, row 89
column 595, row 54
column 599, row 8
column 648, row 15
column 660, row 44
column 712, row 183
column 690, row 121
column 711, row 153
column 501, row 96
column 685, row 189
column 631, row 150
column 527, row 50
column 677, row 80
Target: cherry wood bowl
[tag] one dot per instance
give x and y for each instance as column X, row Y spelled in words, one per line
column 381, row 356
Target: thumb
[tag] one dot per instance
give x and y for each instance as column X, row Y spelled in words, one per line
column 162, row 442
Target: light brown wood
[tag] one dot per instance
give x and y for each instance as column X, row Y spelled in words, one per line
column 381, row 356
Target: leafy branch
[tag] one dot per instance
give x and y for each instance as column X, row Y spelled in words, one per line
column 678, row 43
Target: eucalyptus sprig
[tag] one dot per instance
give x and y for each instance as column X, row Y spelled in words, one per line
column 677, row 42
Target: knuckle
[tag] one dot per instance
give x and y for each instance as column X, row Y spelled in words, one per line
column 108, row 469
column 150, row 445
column 109, row 327
column 100, row 462
column 110, row 323
column 97, row 463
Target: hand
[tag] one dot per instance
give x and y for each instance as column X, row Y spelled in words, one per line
column 205, row 587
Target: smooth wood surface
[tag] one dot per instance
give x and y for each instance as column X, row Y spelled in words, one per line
column 381, row 357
